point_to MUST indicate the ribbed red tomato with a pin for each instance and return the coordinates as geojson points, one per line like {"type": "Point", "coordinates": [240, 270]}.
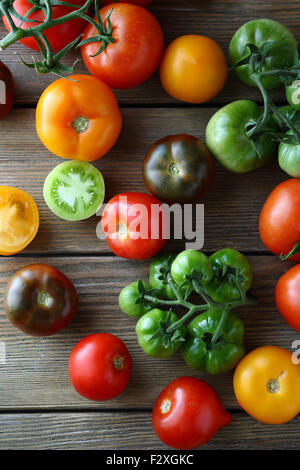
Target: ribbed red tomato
{"type": "Point", "coordinates": [134, 47]}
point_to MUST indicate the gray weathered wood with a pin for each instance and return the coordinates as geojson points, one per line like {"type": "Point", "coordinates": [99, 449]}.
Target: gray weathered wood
{"type": "Point", "coordinates": [132, 431]}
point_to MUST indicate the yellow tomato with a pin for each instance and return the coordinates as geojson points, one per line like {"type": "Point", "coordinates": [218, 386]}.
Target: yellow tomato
{"type": "Point", "coordinates": [78, 118]}
{"type": "Point", "coordinates": [19, 220]}
{"type": "Point", "coordinates": [193, 69]}
{"type": "Point", "coordinates": [267, 385]}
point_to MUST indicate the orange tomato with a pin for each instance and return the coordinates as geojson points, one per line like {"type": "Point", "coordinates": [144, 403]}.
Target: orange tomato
{"type": "Point", "coordinates": [267, 385]}
{"type": "Point", "coordinates": [78, 118]}
{"type": "Point", "coordinates": [19, 220]}
{"type": "Point", "coordinates": [193, 69]}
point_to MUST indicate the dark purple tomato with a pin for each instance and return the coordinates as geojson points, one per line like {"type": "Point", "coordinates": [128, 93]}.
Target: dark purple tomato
{"type": "Point", "coordinates": [178, 168]}
{"type": "Point", "coordinates": [40, 300]}
{"type": "Point", "coordinates": [7, 90]}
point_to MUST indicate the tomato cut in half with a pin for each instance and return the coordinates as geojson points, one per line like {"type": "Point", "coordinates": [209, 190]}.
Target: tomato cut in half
{"type": "Point", "coordinates": [19, 220]}
{"type": "Point", "coordinates": [74, 190]}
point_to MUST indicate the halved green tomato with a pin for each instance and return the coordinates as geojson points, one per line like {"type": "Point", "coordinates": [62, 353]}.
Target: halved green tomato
{"type": "Point", "coordinates": [74, 190]}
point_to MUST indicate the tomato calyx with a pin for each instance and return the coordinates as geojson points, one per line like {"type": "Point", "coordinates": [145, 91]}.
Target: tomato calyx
{"type": "Point", "coordinates": [118, 363]}
{"type": "Point", "coordinates": [43, 299]}
{"type": "Point", "coordinates": [104, 35]}
{"type": "Point", "coordinates": [174, 169]}
{"type": "Point", "coordinates": [80, 124]}
{"type": "Point", "coordinates": [165, 406]}
{"type": "Point", "coordinates": [168, 331]}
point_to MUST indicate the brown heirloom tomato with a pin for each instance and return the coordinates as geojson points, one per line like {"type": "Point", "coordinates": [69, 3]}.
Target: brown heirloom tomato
{"type": "Point", "coordinates": [178, 168]}
{"type": "Point", "coordinates": [40, 300]}
{"type": "Point", "coordinates": [7, 95]}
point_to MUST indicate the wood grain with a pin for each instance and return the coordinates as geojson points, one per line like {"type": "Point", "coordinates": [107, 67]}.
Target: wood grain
{"type": "Point", "coordinates": [218, 19]}
{"type": "Point", "coordinates": [232, 205]}
{"type": "Point", "coordinates": [38, 407]}
{"type": "Point", "coordinates": [132, 431]}
{"type": "Point", "coordinates": [35, 374]}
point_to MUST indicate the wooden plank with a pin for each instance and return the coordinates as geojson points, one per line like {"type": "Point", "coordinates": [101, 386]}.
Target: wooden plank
{"type": "Point", "coordinates": [132, 431]}
{"type": "Point", "coordinates": [218, 19]}
{"type": "Point", "coordinates": [35, 374]}
{"type": "Point", "coordinates": [232, 205]}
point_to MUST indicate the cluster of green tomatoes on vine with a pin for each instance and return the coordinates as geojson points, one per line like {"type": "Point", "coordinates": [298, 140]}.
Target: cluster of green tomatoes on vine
{"type": "Point", "coordinates": [241, 135]}
{"type": "Point", "coordinates": [212, 341]}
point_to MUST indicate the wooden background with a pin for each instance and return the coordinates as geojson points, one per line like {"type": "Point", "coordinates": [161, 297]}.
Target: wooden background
{"type": "Point", "coordinates": [38, 407]}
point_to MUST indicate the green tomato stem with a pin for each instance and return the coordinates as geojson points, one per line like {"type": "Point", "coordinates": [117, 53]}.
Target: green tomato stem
{"type": "Point", "coordinates": [262, 122]}
{"type": "Point", "coordinates": [294, 251]}
{"type": "Point", "coordinates": [268, 106]}
{"type": "Point", "coordinates": [191, 312]}
{"type": "Point", "coordinates": [221, 325]}
{"type": "Point", "coordinates": [161, 301]}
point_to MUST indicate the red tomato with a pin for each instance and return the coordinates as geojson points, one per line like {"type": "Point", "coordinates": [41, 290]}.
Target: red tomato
{"type": "Point", "coordinates": [279, 222]}
{"type": "Point", "coordinates": [133, 225]}
{"type": "Point", "coordinates": [135, 51]}
{"type": "Point", "coordinates": [187, 413]}
{"type": "Point", "coordinates": [7, 90]}
{"type": "Point", "coordinates": [287, 296]}
{"type": "Point", "coordinates": [58, 36]}
{"type": "Point", "coordinates": [142, 3]}
{"type": "Point", "coordinates": [99, 367]}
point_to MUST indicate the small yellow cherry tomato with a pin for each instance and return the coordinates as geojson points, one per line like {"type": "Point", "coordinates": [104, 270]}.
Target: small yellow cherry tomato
{"type": "Point", "coordinates": [193, 69]}
{"type": "Point", "coordinates": [19, 220]}
{"type": "Point", "coordinates": [267, 385]}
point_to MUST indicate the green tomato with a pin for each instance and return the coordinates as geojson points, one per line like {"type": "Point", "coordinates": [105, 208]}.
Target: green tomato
{"type": "Point", "coordinates": [153, 338]}
{"type": "Point", "coordinates": [293, 94]}
{"type": "Point", "coordinates": [190, 262]}
{"type": "Point", "coordinates": [281, 54]}
{"type": "Point", "coordinates": [229, 267]}
{"type": "Point", "coordinates": [128, 297]}
{"type": "Point", "coordinates": [289, 157]}
{"type": "Point", "coordinates": [159, 267]}
{"type": "Point", "coordinates": [200, 353]}
{"type": "Point", "coordinates": [74, 190]}
{"type": "Point", "coordinates": [227, 140]}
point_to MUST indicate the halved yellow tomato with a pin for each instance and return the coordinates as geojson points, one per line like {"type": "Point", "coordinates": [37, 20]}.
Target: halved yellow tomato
{"type": "Point", "coordinates": [19, 220]}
